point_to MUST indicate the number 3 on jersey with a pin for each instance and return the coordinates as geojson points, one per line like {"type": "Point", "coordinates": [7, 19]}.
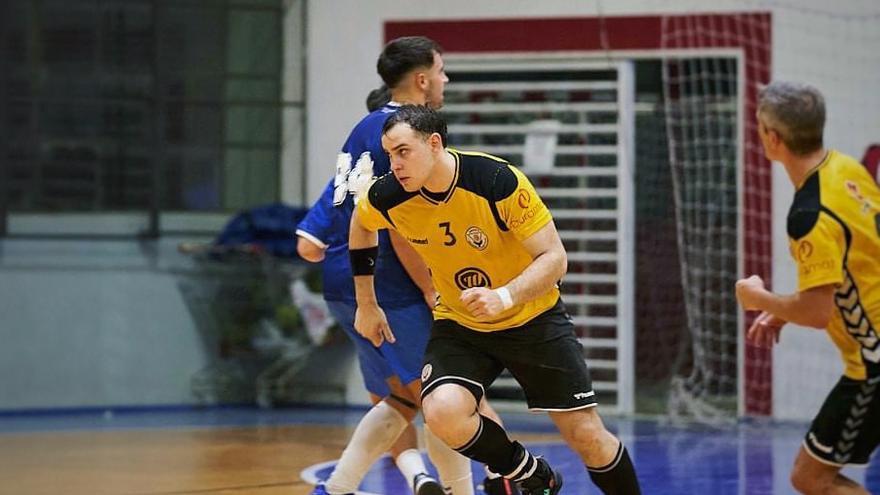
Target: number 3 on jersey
{"type": "Point", "coordinates": [450, 237]}
{"type": "Point", "coordinates": [352, 180]}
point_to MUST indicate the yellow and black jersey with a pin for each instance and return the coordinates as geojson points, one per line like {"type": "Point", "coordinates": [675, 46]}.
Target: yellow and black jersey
{"type": "Point", "coordinates": [834, 236]}
{"type": "Point", "coordinates": [469, 236]}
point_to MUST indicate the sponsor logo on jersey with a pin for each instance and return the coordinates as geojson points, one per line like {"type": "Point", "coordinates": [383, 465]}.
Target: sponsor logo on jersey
{"type": "Point", "coordinates": [526, 216]}
{"type": "Point", "coordinates": [853, 189]}
{"type": "Point", "coordinates": [426, 371]}
{"type": "Point", "coordinates": [476, 238]}
{"type": "Point", "coordinates": [418, 241]}
{"type": "Point", "coordinates": [470, 277]}
{"type": "Point", "coordinates": [819, 266]}
{"type": "Point", "coordinates": [523, 198]}
{"type": "Point", "coordinates": [804, 251]}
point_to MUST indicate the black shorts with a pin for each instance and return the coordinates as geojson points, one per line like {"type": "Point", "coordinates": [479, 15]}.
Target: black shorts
{"type": "Point", "coordinates": [543, 355]}
{"type": "Point", "coordinates": [847, 428]}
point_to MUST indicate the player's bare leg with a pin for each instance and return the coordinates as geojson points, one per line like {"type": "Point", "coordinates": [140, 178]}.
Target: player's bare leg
{"type": "Point", "coordinates": [810, 476]}
{"type": "Point", "coordinates": [451, 412]}
{"type": "Point", "coordinates": [487, 410]}
{"type": "Point", "coordinates": [603, 454]}
{"type": "Point", "coordinates": [585, 433]}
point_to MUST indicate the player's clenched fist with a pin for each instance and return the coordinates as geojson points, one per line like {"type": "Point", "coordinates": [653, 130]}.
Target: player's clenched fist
{"type": "Point", "coordinates": [482, 303]}
{"type": "Point", "coordinates": [748, 290]}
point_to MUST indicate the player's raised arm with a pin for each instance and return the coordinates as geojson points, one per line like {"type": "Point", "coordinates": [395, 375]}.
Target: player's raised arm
{"type": "Point", "coordinates": [812, 307]}
{"type": "Point", "coordinates": [370, 320]}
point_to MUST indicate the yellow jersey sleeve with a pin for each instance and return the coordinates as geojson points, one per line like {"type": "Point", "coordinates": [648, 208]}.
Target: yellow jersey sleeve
{"type": "Point", "coordinates": [369, 216]}
{"type": "Point", "coordinates": [819, 254]}
{"type": "Point", "coordinates": [523, 211]}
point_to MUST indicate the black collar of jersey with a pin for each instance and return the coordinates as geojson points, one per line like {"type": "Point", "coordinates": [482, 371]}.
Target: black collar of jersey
{"type": "Point", "coordinates": [443, 197]}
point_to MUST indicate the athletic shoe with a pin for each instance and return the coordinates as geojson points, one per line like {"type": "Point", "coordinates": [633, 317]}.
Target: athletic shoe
{"type": "Point", "coordinates": [426, 485]}
{"type": "Point", "coordinates": [321, 490]}
{"type": "Point", "coordinates": [544, 481]}
{"type": "Point", "coordinates": [499, 486]}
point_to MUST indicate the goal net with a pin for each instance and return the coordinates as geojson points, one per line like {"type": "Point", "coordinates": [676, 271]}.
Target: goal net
{"type": "Point", "coordinates": [701, 123]}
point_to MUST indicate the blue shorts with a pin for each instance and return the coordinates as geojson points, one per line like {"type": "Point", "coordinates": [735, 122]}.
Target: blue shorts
{"type": "Point", "coordinates": [412, 328]}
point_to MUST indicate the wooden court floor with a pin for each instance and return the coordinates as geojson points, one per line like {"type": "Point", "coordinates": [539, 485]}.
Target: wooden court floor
{"type": "Point", "coordinates": [262, 460]}
{"type": "Point", "coordinates": [259, 460]}
{"type": "Point", "coordinates": [264, 452]}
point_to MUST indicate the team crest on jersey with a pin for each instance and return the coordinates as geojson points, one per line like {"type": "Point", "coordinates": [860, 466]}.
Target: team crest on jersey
{"type": "Point", "coordinates": [426, 372]}
{"type": "Point", "coordinates": [471, 277]}
{"type": "Point", "coordinates": [476, 238]}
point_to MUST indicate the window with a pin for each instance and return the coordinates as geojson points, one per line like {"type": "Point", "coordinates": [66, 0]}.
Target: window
{"type": "Point", "coordinates": [141, 107]}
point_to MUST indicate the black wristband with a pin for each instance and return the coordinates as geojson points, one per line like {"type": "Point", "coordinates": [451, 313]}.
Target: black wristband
{"type": "Point", "coordinates": [363, 261]}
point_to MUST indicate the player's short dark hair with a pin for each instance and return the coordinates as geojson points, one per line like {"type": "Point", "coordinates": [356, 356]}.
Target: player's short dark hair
{"type": "Point", "coordinates": [421, 119]}
{"type": "Point", "coordinates": [796, 112]}
{"type": "Point", "coordinates": [402, 55]}
{"type": "Point", "coordinates": [378, 97]}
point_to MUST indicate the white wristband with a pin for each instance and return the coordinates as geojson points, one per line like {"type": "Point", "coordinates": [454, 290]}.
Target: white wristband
{"type": "Point", "coordinates": [504, 294]}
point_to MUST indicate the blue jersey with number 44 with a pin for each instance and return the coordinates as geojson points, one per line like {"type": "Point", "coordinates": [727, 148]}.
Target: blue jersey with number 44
{"type": "Point", "coordinates": [328, 220]}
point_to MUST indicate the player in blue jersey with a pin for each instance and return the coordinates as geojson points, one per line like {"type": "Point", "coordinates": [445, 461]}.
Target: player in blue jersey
{"type": "Point", "coordinates": [412, 67]}
{"type": "Point", "coordinates": [320, 238]}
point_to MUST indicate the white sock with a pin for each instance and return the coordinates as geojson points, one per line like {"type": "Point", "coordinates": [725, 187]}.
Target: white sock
{"type": "Point", "coordinates": [374, 435]}
{"type": "Point", "coordinates": [410, 463]}
{"type": "Point", "coordinates": [454, 469]}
